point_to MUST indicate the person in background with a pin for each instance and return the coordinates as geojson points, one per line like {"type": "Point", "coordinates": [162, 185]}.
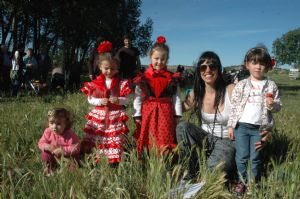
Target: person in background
{"type": "Point", "coordinates": [44, 65]}
{"type": "Point", "coordinates": [30, 66]}
{"type": "Point", "coordinates": [157, 106]}
{"type": "Point", "coordinates": [128, 55]}
{"type": "Point", "coordinates": [106, 129]}
{"type": "Point", "coordinates": [57, 77]}
{"type": "Point", "coordinates": [16, 72]}
{"type": "Point", "coordinates": [5, 63]}
{"type": "Point", "coordinates": [253, 101]}
{"type": "Point", "coordinates": [93, 65]}
{"type": "Point", "coordinates": [59, 140]}
{"type": "Point", "coordinates": [74, 71]}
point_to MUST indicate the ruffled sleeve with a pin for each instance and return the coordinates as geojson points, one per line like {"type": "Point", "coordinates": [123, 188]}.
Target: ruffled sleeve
{"type": "Point", "coordinates": [125, 88]}
{"type": "Point", "coordinates": [88, 88]}
{"type": "Point", "coordinates": [139, 78]}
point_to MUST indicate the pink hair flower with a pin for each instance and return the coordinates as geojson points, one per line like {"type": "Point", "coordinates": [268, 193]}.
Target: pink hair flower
{"type": "Point", "coordinates": [161, 40]}
{"type": "Point", "coordinates": [104, 47]}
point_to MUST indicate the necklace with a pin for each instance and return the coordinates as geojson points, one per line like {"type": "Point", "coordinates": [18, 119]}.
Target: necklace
{"type": "Point", "coordinates": [212, 140]}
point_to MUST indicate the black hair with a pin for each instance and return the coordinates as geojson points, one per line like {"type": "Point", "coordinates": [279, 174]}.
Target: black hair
{"type": "Point", "coordinates": [199, 84]}
{"type": "Point", "coordinates": [259, 55]}
{"type": "Point", "coordinates": [126, 37]}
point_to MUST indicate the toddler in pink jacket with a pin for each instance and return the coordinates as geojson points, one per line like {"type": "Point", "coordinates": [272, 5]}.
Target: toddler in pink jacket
{"type": "Point", "coordinates": [58, 140]}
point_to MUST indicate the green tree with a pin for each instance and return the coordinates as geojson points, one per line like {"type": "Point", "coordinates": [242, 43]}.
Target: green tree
{"type": "Point", "coordinates": [287, 48]}
{"type": "Point", "coordinates": [70, 28]}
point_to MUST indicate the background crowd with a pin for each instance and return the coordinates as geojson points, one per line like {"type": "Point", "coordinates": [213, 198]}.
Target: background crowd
{"type": "Point", "coordinates": [22, 69]}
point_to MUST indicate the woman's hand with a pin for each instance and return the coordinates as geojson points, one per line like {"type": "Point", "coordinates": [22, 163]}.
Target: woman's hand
{"type": "Point", "coordinates": [231, 133]}
{"type": "Point", "coordinates": [265, 136]}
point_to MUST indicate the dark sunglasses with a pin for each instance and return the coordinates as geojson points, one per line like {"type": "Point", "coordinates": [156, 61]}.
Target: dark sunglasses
{"type": "Point", "coordinates": [203, 67]}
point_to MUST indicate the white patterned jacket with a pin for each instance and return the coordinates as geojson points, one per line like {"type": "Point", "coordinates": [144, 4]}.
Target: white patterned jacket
{"type": "Point", "coordinates": [239, 99]}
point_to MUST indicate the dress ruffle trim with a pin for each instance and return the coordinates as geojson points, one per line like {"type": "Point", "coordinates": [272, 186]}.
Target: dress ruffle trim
{"type": "Point", "coordinates": [122, 118]}
{"type": "Point", "coordinates": [125, 89]}
{"type": "Point", "coordinates": [98, 132]}
{"type": "Point", "coordinates": [110, 146]}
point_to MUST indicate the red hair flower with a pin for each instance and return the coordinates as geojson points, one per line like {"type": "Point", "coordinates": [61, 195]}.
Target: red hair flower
{"type": "Point", "coordinates": [269, 95]}
{"type": "Point", "coordinates": [273, 62]}
{"type": "Point", "coordinates": [161, 40]}
{"type": "Point", "coordinates": [104, 47]}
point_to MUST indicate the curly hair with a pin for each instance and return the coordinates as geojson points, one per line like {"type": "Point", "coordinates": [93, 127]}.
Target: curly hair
{"type": "Point", "coordinates": [61, 113]}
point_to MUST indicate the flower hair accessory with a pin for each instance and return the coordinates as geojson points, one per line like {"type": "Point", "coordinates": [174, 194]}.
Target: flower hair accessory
{"type": "Point", "coordinates": [161, 40]}
{"type": "Point", "coordinates": [104, 47]}
{"type": "Point", "coordinates": [273, 62]}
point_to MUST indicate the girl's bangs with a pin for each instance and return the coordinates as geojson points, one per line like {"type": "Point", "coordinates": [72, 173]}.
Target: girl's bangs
{"type": "Point", "coordinates": [258, 58]}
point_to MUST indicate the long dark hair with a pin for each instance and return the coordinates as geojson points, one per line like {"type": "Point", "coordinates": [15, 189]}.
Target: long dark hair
{"type": "Point", "coordinates": [199, 85]}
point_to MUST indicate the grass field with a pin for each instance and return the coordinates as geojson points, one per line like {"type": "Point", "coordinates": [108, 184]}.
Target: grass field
{"type": "Point", "coordinates": [22, 121]}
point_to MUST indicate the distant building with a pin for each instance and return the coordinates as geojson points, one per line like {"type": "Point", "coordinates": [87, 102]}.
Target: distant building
{"type": "Point", "coordinates": [294, 73]}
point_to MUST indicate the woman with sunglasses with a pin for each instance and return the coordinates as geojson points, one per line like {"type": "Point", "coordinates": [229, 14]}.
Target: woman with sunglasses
{"type": "Point", "coordinates": [210, 101]}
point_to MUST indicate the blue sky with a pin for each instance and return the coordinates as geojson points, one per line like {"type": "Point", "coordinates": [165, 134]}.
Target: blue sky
{"type": "Point", "coordinates": [227, 27]}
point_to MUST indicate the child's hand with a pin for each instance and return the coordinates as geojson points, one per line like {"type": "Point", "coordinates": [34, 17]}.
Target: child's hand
{"type": "Point", "coordinates": [48, 148]}
{"type": "Point", "coordinates": [104, 101]}
{"type": "Point", "coordinates": [231, 133]}
{"type": "Point", "coordinates": [58, 152]}
{"type": "Point", "coordinates": [269, 101]}
{"type": "Point", "coordinates": [114, 100]}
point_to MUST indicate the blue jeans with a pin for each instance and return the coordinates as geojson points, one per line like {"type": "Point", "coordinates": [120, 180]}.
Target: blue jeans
{"type": "Point", "coordinates": [190, 136]}
{"type": "Point", "coordinates": [246, 135]}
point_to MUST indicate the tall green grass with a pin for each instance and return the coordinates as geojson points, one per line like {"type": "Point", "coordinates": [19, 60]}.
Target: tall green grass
{"type": "Point", "coordinates": [22, 121]}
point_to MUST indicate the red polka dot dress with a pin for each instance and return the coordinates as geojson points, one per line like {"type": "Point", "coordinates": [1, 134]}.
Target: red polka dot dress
{"type": "Point", "coordinates": [157, 111]}
{"type": "Point", "coordinates": [106, 128]}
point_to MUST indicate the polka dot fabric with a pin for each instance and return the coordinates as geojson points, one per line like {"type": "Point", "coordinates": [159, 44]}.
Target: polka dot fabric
{"type": "Point", "coordinates": [158, 125]}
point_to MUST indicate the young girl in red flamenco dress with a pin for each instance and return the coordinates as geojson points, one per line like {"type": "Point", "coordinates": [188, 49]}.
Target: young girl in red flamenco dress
{"type": "Point", "coordinates": [105, 130]}
{"type": "Point", "coordinates": [157, 106]}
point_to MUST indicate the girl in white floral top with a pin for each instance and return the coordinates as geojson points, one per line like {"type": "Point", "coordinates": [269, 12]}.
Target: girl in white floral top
{"type": "Point", "coordinates": [253, 100]}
